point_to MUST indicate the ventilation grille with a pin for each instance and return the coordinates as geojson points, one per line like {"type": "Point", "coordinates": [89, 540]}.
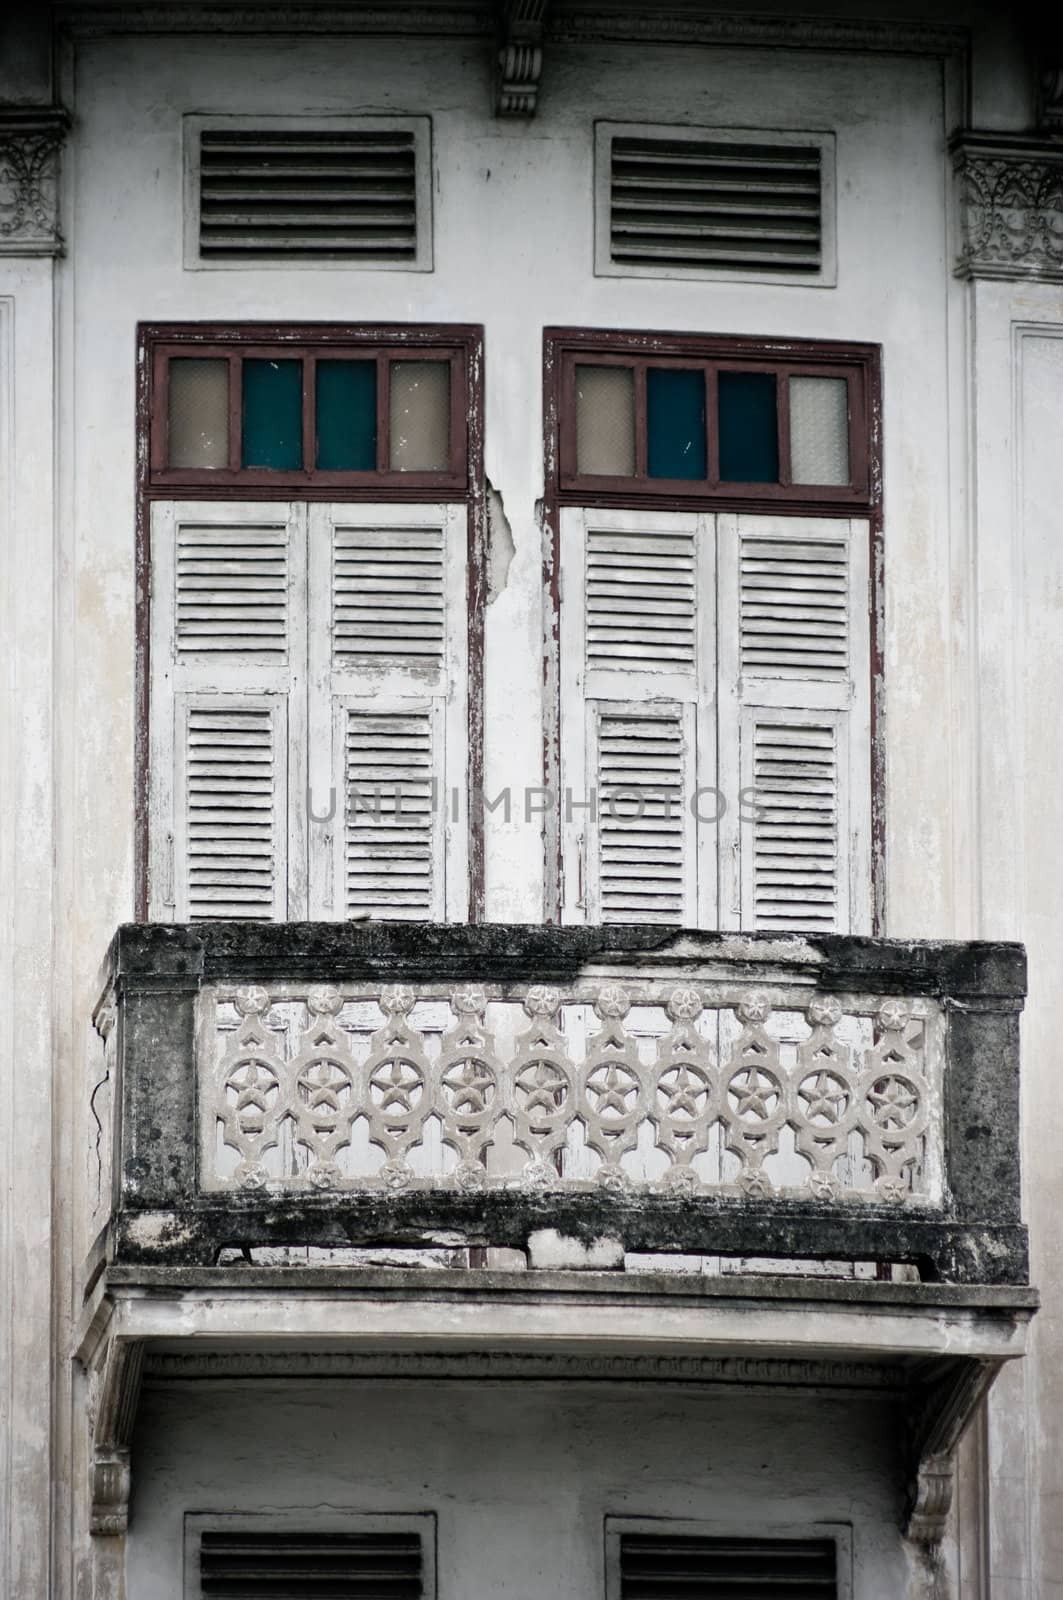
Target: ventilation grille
{"type": "Point", "coordinates": [795, 848]}
{"type": "Point", "coordinates": [640, 602]}
{"type": "Point", "coordinates": [231, 813]}
{"type": "Point", "coordinates": [795, 608]}
{"type": "Point", "coordinates": [705, 204]}
{"type": "Point", "coordinates": [311, 1566]}
{"type": "Point", "coordinates": [667, 1567]}
{"type": "Point", "coordinates": [232, 592]}
{"type": "Point", "coordinates": [342, 194]}
{"type": "Point", "coordinates": [388, 595]}
{"type": "Point", "coordinates": [390, 836]}
{"type": "Point", "coordinates": [641, 830]}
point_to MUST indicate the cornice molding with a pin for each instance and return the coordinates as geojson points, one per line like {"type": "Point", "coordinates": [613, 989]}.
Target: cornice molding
{"type": "Point", "coordinates": [652, 24]}
{"type": "Point", "coordinates": [30, 146]}
{"type": "Point", "coordinates": [1010, 197]}
{"type": "Point", "coordinates": [91, 21]}
{"type": "Point", "coordinates": [738, 1371]}
{"type": "Point", "coordinates": [647, 24]}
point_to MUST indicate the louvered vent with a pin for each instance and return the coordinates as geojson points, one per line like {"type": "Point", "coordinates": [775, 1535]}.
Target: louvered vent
{"type": "Point", "coordinates": [232, 587]}
{"type": "Point", "coordinates": [795, 848]}
{"type": "Point", "coordinates": [640, 601]}
{"type": "Point", "coordinates": [310, 1566]}
{"type": "Point", "coordinates": [794, 599]}
{"type": "Point", "coordinates": [232, 843]}
{"type": "Point", "coordinates": [390, 837]}
{"type": "Point", "coordinates": [641, 830]}
{"type": "Point", "coordinates": [342, 194]}
{"type": "Point", "coordinates": [714, 204]}
{"type": "Point", "coordinates": [675, 1567]}
{"type": "Point", "coordinates": [388, 599]}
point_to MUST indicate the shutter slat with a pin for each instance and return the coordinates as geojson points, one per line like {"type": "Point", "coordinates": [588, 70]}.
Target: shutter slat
{"type": "Point", "coordinates": [232, 593]}
{"type": "Point", "coordinates": [640, 594]}
{"type": "Point", "coordinates": [388, 595]}
{"type": "Point", "coordinates": [672, 1567]}
{"type": "Point", "coordinates": [793, 601]}
{"type": "Point", "coordinates": [311, 1566]}
{"type": "Point", "coordinates": [391, 858]}
{"type": "Point", "coordinates": [795, 866]}
{"type": "Point", "coordinates": [344, 193]}
{"type": "Point", "coordinates": [699, 202]}
{"type": "Point", "coordinates": [231, 824]}
{"type": "Point", "coordinates": [640, 774]}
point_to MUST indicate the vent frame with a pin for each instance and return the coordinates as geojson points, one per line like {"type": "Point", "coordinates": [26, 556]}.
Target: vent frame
{"type": "Point", "coordinates": [606, 266]}
{"type": "Point", "coordinates": [419, 128]}
{"type": "Point", "coordinates": [312, 1520]}
{"type": "Point", "coordinates": [841, 1533]}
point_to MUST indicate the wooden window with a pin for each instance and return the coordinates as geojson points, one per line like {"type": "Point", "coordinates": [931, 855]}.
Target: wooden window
{"type": "Point", "coordinates": [333, 410]}
{"type": "Point", "coordinates": [310, 636]}
{"type": "Point", "coordinates": [702, 419]}
{"type": "Point", "coordinates": [714, 713]}
{"type": "Point", "coordinates": [714, 716]}
{"type": "Point", "coordinates": [309, 710]}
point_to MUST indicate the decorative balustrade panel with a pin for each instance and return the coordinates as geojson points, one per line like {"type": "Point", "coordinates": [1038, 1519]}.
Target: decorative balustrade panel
{"type": "Point", "coordinates": [640, 1087]}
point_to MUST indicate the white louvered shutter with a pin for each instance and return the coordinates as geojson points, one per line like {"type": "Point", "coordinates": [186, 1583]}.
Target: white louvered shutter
{"type": "Point", "coordinates": [227, 718]}
{"type": "Point", "coordinates": [637, 741]}
{"type": "Point", "coordinates": [389, 712]}
{"type": "Point", "coordinates": [795, 722]}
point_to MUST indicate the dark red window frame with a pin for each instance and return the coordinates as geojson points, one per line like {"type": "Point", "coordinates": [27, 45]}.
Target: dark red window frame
{"type": "Point", "coordinates": [383, 345]}
{"type": "Point", "coordinates": [858, 364]}
{"type": "Point", "coordinates": [564, 349]}
{"type": "Point", "coordinates": [464, 484]}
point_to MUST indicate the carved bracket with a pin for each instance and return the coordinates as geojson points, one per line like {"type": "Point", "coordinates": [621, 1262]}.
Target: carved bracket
{"type": "Point", "coordinates": [114, 1393]}
{"type": "Point", "coordinates": [1011, 207]}
{"type": "Point", "coordinates": [947, 1407]}
{"type": "Point", "coordinates": [30, 145]}
{"type": "Point", "coordinates": [520, 56]}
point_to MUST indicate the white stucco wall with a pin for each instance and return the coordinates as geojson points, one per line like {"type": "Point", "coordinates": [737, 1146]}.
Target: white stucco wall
{"type": "Point", "coordinates": [520, 1477]}
{"type": "Point", "coordinates": [972, 663]}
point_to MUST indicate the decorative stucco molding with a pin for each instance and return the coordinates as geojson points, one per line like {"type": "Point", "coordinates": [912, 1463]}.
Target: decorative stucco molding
{"type": "Point", "coordinates": [114, 1392]}
{"type": "Point", "coordinates": [1011, 207]}
{"type": "Point", "coordinates": [30, 145]}
{"type": "Point", "coordinates": [520, 57]}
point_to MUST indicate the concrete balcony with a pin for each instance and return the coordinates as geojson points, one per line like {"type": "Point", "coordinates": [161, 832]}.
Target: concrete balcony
{"type": "Point", "coordinates": [822, 1135]}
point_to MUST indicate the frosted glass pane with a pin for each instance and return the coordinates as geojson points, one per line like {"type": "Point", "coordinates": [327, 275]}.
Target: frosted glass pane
{"type": "Point", "coordinates": [605, 421]}
{"type": "Point", "coordinates": [199, 413]}
{"type": "Point", "coordinates": [420, 416]}
{"type": "Point", "coordinates": [819, 431]}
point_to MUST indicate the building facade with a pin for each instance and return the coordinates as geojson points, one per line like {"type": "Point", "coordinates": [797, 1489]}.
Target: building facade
{"type": "Point", "coordinates": [529, 641]}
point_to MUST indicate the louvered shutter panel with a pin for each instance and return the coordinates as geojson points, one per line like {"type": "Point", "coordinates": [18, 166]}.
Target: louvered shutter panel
{"type": "Point", "coordinates": [389, 712]}
{"type": "Point", "coordinates": [227, 768]}
{"type": "Point", "coordinates": [795, 722]}
{"type": "Point", "coordinates": [234, 1565]}
{"type": "Point", "coordinates": [675, 1566]}
{"type": "Point", "coordinates": [637, 741]}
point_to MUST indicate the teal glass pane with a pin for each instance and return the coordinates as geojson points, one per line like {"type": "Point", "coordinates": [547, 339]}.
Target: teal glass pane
{"type": "Point", "coordinates": [346, 416]}
{"type": "Point", "coordinates": [273, 415]}
{"type": "Point", "coordinates": [675, 423]}
{"type": "Point", "coordinates": [749, 434]}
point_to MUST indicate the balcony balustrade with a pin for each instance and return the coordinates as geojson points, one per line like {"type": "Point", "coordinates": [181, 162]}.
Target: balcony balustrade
{"type": "Point", "coordinates": [325, 1086]}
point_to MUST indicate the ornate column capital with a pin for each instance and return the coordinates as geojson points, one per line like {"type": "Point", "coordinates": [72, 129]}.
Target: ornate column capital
{"type": "Point", "coordinates": [30, 144]}
{"type": "Point", "coordinates": [1010, 196]}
